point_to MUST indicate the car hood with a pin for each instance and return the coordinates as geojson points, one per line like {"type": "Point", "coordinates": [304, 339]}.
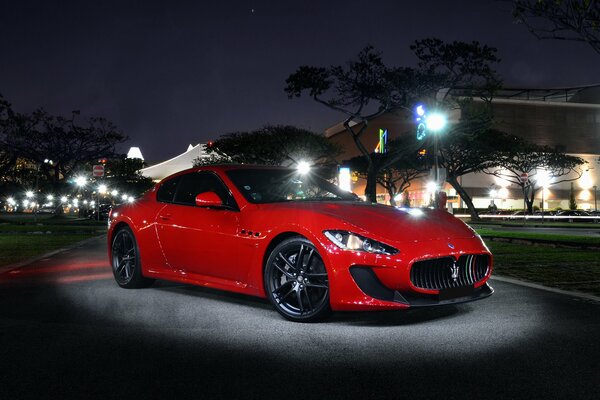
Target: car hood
{"type": "Point", "coordinates": [385, 222]}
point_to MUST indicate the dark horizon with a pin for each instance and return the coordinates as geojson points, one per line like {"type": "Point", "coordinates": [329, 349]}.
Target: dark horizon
{"type": "Point", "coordinates": [170, 74]}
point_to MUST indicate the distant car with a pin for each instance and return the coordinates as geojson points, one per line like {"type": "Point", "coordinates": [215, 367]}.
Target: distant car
{"type": "Point", "coordinates": [297, 240]}
{"type": "Point", "coordinates": [571, 215]}
{"type": "Point", "coordinates": [46, 210]}
{"type": "Point", "coordinates": [103, 210]}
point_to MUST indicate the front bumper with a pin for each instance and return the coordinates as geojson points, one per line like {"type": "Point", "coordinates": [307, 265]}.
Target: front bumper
{"type": "Point", "coordinates": [362, 282]}
{"type": "Point", "coordinates": [368, 282]}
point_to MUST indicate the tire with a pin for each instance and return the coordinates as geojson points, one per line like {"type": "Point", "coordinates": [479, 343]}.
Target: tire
{"type": "Point", "coordinates": [125, 260]}
{"type": "Point", "coordinates": [296, 281]}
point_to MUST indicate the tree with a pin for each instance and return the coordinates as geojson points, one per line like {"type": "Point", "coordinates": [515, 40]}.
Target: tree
{"type": "Point", "coordinates": [7, 156]}
{"type": "Point", "coordinates": [542, 164]}
{"type": "Point", "coordinates": [123, 173]}
{"type": "Point", "coordinates": [572, 201]}
{"type": "Point", "coordinates": [573, 20]}
{"type": "Point", "coordinates": [272, 145]}
{"type": "Point", "coordinates": [362, 90]}
{"type": "Point", "coordinates": [366, 88]}
{"type": "Point", "coordinates": [465, 69]}
{"type": "Point", "coordinates": [69, 144]}
{"type": "Point", "coordinates": [397, 168]}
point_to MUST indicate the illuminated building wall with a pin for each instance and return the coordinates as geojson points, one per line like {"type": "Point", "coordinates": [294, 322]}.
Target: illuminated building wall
{"type": "Point", "coordinates": [567, 125]}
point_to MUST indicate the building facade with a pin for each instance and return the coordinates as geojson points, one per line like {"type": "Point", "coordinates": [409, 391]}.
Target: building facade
{"type": "Point", "coordinates": [565, 119]}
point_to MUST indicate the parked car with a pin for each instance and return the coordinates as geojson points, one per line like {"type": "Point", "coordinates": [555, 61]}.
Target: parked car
{"type": "Point", "coordinates": [102, 209]}
{"type": "Point", "coordinates": [46, 210]}
{"type": "Point", "coordinates": [571, 215]}
{"type": "Point", "coordinates": [297, 240]}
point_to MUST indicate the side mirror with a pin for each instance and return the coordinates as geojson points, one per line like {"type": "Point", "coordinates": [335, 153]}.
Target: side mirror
{"type": "Point", "coordinates": [208, 199]}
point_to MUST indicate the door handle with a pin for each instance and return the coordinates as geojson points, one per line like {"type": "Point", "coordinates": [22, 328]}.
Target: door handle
{"type": "Point", "coordinates": [165, 217]}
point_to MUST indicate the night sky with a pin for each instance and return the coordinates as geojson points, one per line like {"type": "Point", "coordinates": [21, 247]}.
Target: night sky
{"type": "Point", "coordinates": [177, 72]}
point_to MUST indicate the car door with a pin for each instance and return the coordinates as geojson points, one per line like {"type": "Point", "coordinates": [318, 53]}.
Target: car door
{"type": "Point", "coordinates": [201, 240]}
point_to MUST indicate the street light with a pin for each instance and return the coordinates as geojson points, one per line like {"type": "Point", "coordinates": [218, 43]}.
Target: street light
{"type": "Point", "coordinates": [543, 180]}
{"type": "Point", "coordinates": [595, 198]}
{"type": "Point", "coordinates": [80, 181]}
{"type": "Point", "coordinates": [433, 123]}
{"type": "Point", "coordinates": [303, 167]}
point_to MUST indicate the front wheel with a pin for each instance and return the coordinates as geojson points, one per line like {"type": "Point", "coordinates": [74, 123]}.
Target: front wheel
{"type": "Point", "coordinates": [125, 260]}
{"type": "Point", "coordinates": [296, 281]}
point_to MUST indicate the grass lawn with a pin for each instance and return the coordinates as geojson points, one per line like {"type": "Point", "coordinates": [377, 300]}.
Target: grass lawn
{"type": "Point", "coordinates": [565, 269]}
{"type": "Point", "coordinates": [544, 236]}
{"type": "Point", "coordinates": [15, 248]}
{"type": "Point", "coordinates": [22, 236]}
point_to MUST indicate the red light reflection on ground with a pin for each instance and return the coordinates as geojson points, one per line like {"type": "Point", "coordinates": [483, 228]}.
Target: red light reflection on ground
{"type": "Point", "coordinates": [63, 273]}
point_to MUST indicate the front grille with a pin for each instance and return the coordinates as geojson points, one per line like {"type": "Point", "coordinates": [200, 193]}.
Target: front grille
{"type": "Point", "coordinates": [438, 273]}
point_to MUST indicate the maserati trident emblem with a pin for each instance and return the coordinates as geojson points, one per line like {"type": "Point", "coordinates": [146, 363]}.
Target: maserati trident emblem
{"type": "Point", "coordinates": [451, 245]}
{"type": "Point", "coordinates": [454, 270]}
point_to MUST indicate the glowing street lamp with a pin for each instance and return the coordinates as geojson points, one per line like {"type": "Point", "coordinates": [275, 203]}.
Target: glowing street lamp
{"type": "Point", "coordinates": [63, 199]}
{"type": "Point", "coordinates": [114, 193]}
{"type": "Point", "coordinates": [102, 189]}
{"type": "Point", "coordinates": [436, 122]}
{"type": "Point", "coordinates": [543, 180]}
{"type": "Point", "coordinates": [29, 194]}
{"type": "Point", "coordinates": [303, 167]}
{"type": "Point", "coordinates": [81, 181]}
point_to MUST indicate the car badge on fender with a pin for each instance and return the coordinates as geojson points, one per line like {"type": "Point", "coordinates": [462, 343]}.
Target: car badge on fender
{"type": "Point", "coordinates": [451, 245]}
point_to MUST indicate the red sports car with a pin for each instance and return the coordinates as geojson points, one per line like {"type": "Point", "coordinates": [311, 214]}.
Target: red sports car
{"type": "Point", "coordinates": [296, 239]}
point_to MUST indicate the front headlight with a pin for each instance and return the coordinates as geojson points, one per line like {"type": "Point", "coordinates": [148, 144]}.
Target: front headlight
{"type": "Point", "coordinates": [352, 241]}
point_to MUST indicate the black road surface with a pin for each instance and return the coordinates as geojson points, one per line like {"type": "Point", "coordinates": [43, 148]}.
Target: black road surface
{"type": "Point", "coordinates": [68, 331]}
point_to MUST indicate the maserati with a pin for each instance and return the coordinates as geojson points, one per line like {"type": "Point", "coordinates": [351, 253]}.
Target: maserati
{"type": "Point", "coordinates": [296, 239]}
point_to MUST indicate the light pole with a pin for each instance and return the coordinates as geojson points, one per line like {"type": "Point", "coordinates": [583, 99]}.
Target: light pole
{"type": "Point", "coordinates": [37, 182]}
{"type": "Point", "coordinates": [434, 123]}
{"type": "Point", "coordinates": [595, 198]}
{"type": "Point", "coordinates": [80, 181]}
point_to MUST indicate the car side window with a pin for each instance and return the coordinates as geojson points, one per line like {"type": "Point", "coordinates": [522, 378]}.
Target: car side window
{"type": "Point", "coordinates": [167, 190]}
{"type": "Point", "coordinates": [194, 183]}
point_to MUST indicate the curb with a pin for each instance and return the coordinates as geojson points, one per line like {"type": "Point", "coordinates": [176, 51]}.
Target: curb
{"type": "Point", "coordinates": [20, 264]}
{"type": "Point", "coordinates": [532, 285]}
{"type": "Point", "coordinates": [544, 242]}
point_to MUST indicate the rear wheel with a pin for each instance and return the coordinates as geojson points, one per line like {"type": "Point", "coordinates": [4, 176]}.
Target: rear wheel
{"type": "Point", "coordinates": [296, 281]}
{"type": "Point", "coordinates": [125, 260]}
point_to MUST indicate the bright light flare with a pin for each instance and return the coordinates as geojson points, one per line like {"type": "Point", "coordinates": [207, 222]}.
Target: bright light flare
{"type": "Point", "coordinates": [81, 181]}
{"type": "Point", "coordinates": [114, 193]}
{"type": "Point", "coordinates": [102, 188]}
{"type": "Point", "coordinates": [29, 194]}
{"type": "Point", "coordinates": [303, 167]}
{"type": "Point", "coordinates": [420, 110]}
{"type": "Point", "coordinates": [431, 186]}
{"type": "Point", "coordinates": [436, 122]}
{"type": "Point", "coordinates": [63, 199]}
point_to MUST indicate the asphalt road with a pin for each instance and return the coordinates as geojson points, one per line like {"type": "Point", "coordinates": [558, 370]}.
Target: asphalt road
{"type": "Point", "coordinates": [68, 331]}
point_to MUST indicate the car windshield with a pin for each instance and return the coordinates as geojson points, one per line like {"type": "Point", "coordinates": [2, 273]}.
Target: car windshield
{"type": "Point", "coordinates": [279, 185]}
